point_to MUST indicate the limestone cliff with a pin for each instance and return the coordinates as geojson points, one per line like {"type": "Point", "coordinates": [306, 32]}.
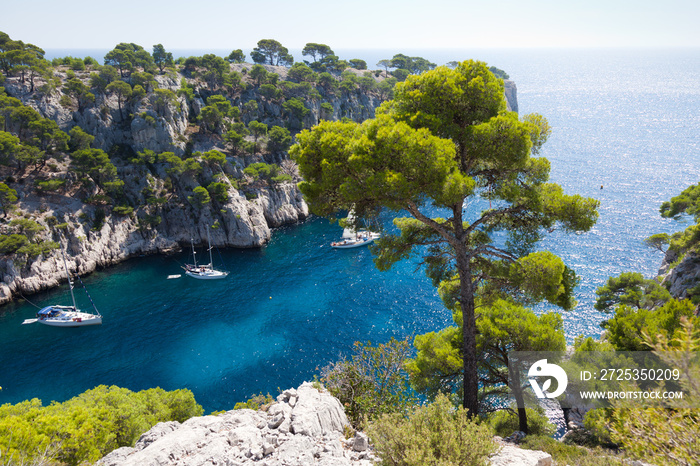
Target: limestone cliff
{"type": "Point", "coordinates": [682, 277]}
{"type": "Point", "coordinates": [155, 210]}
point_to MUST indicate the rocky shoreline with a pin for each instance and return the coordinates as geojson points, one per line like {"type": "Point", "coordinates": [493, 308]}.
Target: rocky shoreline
{"type": "Point", "coordinates": [245, 223]}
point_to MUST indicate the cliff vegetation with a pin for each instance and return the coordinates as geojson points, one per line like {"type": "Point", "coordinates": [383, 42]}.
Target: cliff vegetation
{"type": "Point", "coordinates": [143, 152]}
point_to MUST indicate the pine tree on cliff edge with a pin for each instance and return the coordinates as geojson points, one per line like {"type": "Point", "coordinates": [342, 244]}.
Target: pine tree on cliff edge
{"type": "Point", "coordinates": [444, 144]}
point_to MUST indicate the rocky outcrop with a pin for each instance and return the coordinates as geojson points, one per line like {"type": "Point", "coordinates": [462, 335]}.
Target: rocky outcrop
{"type": "Point", "coordinates": [511, 92]}
{"type": "Point", "coordinates": [305, 427]}
{"type": "Point", "coordinates": [512, 455]}
{"type": "Point", "coordinates": [683, 276]}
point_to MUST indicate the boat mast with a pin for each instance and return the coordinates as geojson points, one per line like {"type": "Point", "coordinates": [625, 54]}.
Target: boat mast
{"type": "Point", "coordinates": [194, 253]}
{"type": "Point", "coordinates": [70, 282]}
{"type": "Point", "coordinates": [211, 261]}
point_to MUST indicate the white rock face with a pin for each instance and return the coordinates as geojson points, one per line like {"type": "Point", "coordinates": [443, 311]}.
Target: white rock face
{"type": "Point", "coordinates": [246, 437]}
{"type": "Point", "coordinates": [511, 455]}
{"type": "Point", "coordinates": [305, 427]}
{"type": "Point", "coordinates": [244, 224]}
{"type": "Point", "coordinates": [683, 276]}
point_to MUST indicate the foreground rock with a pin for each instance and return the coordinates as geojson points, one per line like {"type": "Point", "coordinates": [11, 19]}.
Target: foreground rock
{"type": "Point", "coordinates": [512, 455]}
{"type": "Point", "coordinates": [305, 426]}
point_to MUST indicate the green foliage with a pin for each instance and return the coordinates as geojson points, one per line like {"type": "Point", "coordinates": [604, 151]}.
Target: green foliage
{"type": "Point", "coordinates": [215, 114]}
{"type": "Point", "coordinates": [258, 73]}
{"type": "Point", "coordinates": [261, 170]}
{"type": "Point", "coordinates": [236, 56]}
{"type": "Point", "coordinates": [315, 51]}
{"type": "Point", "coordinates": [218, 191]}
{"type": "Point", "coordinates": [446, 140]}
{"type": "Point", "coordinates": [505, 422]}
{"type": "Point", "coordinates": [656, 433]}
{"type": "Point", "coordinates": [26, 226]}
{"type": "Point", "coordinates": [271, 52]}
{"type": "Point", "coordinates": [270, 92]}
{"type": "Point", "coordinates": [87, 427]}
{"type": "Point", "coordinates": [499, 73]}
{"type": "Point", "coordinates": [372, 382]}
{"type": "Point", "coordinates": [122, 90]}
{"type": "Point", "coordinates": [300, 72]}
{"type": "Point", "coordinates": [147, 221]}
{"type": "Point", "coordinates": [544, 276]}
{"type": "Point", "coordinates": [129, 56]}
{"type": "Point", "coordinates": [9, 244]}
{"type": "Point", "coordinates": [101, 80]}
{"type": "Point", "coordinates": [122, 210]}
{"type": "Point", "coordinates": [8, 197]}
{"type": "Point", "coordinates": [625, 328]}
{"type": "Point", "coordinates": [95, 164]}
{"type": "Point", "coordinates": [296, 108]}
{"type": "Point", "coordinates": [50, 185]}
{"type": "Point", "coordinates": [200, 197]}
{"type": "Point", "coordinates": [436, 433]}
{"type": "Point", "coordinates": [279, 140]}
{"type": "Point", "coordinates": [79, 139]}
{"type": "Point", "coordinates": [256, 402]}
{"type": "Point", "coordinates": [503, 327]}
{"type": "Point", "coordinates": [658, 241]}
{"type": "Point", "coordinates": [687, 202]}
{"type": "Point", "coordinates": [358, 64]}
{"type": "Point", "coordinates": [214, 157]}
{"type": "Point", "coordinates": [563, 453]}
{"type": "Point", "coordinates": [632, 289]}
{"type": "Point", "coordinates": [47, 136]}
{"type": "Point", "coordinates": [9, 145]}
{"type": "Point", "coordinates": [162, 58]}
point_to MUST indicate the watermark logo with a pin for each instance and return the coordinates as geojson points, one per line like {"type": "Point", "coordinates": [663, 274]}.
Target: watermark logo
{"type": "Point", "coordinates": [543, 369]}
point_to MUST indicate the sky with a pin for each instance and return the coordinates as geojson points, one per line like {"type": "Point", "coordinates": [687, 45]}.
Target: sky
{"type": "Point", "coordinates": [357, 24]}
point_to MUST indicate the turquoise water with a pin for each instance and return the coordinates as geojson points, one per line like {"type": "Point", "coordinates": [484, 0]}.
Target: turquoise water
{"type": "Point", "coordinates": [626, 120]}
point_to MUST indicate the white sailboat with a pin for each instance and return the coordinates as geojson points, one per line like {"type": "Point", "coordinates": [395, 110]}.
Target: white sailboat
{"type": "Point", "coordinates": [354, 239]}
{"type": "Point", "coordinates": [203, 272]}
{"type": "Point", "coordinates": [66, 316]}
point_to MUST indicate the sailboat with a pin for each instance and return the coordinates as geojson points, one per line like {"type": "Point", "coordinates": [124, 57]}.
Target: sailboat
{"type": "Point", "coordinates": [203, 272]}
{"type": "Point", "coordinates": [66, 316]}
{"type": "Point", "coordinates": [352, 238]}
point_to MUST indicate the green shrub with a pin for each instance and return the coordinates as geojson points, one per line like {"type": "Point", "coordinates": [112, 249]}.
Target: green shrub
{"type": "Point", "coordinates": [433, 434]}
{"type": "Point", "coordinates": [37, 249]}
{"type": "Point", "coordinates": [256, 402]}
{"type": "Point", "coordinates": [218, 191]}
{"type": "Point", "coordinates": [262, 170]}
{"type": "Point", "coordinates": [123, 210]}
{"type": "Point", "coordinates": [372, 382]}
{"type": "Point", "coordinates": [200, 197]}
{"type": "Point", "coordinates": [573, 455]}
{"type": "Point", "coordinates": [11, 243]}
{"type": "Point", "coordinates": [281, 178]}
{"type": "Point", "coordinates": [50, 185]}
{"type": "Point", "coordinates": [88, 426]}
{"type": "Point", "coordinates": [505, 422]}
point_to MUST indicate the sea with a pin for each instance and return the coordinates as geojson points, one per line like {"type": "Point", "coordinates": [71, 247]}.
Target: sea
{"type": "Point", "coordinates": [626, 131]}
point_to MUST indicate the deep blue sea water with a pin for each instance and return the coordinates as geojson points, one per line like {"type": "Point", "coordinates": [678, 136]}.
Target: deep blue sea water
{"type": "Point", "coordinates": [626, 120]}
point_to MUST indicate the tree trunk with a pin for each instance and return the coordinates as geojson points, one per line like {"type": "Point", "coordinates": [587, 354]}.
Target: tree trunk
{"type": "Point", "coordinates": [517, 389]}
{"type": "Point", "coordinates": [466, 298]}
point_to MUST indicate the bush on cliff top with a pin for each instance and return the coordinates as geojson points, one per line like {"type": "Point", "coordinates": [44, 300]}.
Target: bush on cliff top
{"type": "Point", "coordinates": [436, 433]}
{"type": "Point", "coordinates": [88, 426]}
